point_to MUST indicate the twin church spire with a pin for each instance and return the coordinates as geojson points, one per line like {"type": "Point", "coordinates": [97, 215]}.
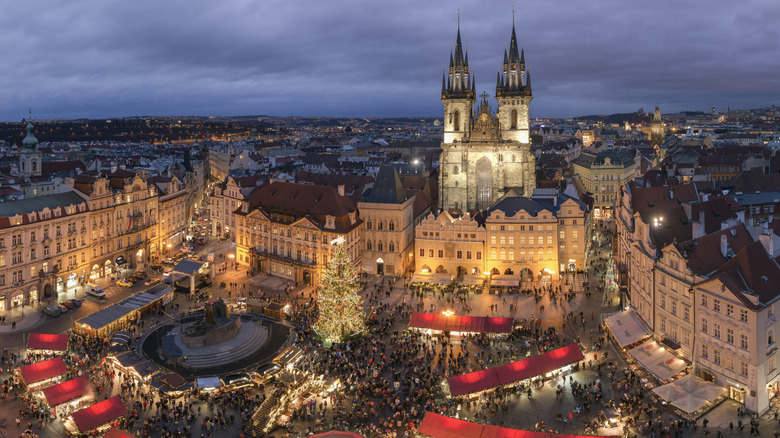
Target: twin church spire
{"type": "Point", "coordinates": [459, 82]}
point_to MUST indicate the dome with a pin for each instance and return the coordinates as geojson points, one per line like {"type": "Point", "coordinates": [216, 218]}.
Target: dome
{"type": "Point", "coordinates": [30, 141]}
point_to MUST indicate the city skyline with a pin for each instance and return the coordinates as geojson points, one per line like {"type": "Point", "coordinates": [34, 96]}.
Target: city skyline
{"type": "Point", "coordinates": [89, 59]}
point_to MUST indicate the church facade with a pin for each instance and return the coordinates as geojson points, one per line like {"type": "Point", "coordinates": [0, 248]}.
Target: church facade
{"type": "Point", "coordinates": [485, 153]}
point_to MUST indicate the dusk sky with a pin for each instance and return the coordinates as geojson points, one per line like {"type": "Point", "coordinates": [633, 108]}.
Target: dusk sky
{"type": "Point", "coordinates": [367, 58]}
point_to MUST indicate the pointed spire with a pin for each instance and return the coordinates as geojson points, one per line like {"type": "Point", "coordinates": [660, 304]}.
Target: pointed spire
{"type": "Point", "coordinates": [443, 83]}
{"type": "Point", "coordinates": [528, 80]}
{"type": "Point", "coordinates": [505, 59]}
{"type": "Point", "coordinates": [522, 56]}
{"type": "Point", "coordinates": [466, 63]}
{"type": "Point", "coordinates": [473, 84]}
{"type": "Point", "coordinates": [451, 63]}
{"type": "Point", "coordinates": [498, 79]}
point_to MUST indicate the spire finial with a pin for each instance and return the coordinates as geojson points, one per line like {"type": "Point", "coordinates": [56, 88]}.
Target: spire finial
{"type": "Point", "coordinates": [459, 19]}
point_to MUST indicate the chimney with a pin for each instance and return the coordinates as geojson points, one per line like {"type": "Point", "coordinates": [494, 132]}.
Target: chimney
{"type": "Point", "coordinates": [724, 245]}
{"type": "Point", "coordinates": [768, 242]}
{"type": "Point", "coordinates": [341, 189]}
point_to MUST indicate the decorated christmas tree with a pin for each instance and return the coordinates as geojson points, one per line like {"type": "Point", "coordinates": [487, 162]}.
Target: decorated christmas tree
{"type": "Point", "coordinates": [341, 308]}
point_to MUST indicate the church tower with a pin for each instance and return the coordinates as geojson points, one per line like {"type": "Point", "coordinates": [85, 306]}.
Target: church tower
{"type": "Point", "coordinates": [458, 95]}
{"type": "Point", "coordinates": [513, 92]}
{"type": "Point", "coordinates": [485, 153]}
{"type": "Point", "coordinates": [657, 129]}
{"type": "Point", "coordinates": [30, 159]}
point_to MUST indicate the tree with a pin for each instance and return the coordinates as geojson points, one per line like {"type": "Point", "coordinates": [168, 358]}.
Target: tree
{"type": "Point", "coordinates": [341, 308]}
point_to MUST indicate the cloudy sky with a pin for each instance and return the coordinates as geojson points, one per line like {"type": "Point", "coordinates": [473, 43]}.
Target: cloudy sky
{"type": "Point", "coordinates": [102, 58]}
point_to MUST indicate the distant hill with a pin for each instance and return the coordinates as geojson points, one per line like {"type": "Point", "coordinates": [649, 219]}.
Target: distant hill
{"type": "Point", "coordinates": [619, 119]}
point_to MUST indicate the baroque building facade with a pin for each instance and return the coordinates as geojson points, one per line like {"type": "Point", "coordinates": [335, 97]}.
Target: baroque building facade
{"type": "Point", "coordinates": [485, 153]}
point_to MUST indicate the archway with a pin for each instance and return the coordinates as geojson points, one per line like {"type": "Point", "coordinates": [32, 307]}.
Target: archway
{"type": "Point", "coordinates": [306, 277]}
{"type": "Point", "coordinates": [441, 270]}
{"type": "Point", "coordinates": [475, 271]}
{"type": "Point", "coordinates": [47, 290]}
{"type": "Point", "coordinates": [426, 269]}
{"type": "Point", "coordinates": [572, 267]}
{"type": "Point", "coordinates": [107, 268]}
{"type": "Point", "coordinates": [509, 271]}
{"type": "Point", "coordinates": [484, 183]}
{"type": "Point", "coordinates": [526, 274]}
{"type": "Point", "coordinates": [461, 271]}
{"type": "Point", "coordinates": [495, 271]}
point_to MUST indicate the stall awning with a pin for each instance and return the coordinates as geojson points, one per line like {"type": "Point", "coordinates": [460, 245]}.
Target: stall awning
{"type": "Point", "coordinates": [118, 433]}
{"type": "Point", "coordinates": [41, 371]}
{"type": "Point", "coordinates": [336, 434]}
{"type": "Point", "coordinates": [460, 323]}
{"type": "Point", "coordinates": [67, 391]}
{"type": "Point", "coordinates": [439, 426]}
{"type": "Point", "coordinates": [473, 280]}
{"type": "Point", "coordinates": [99, 414]}
{"type": "Point", "coordinates": [432, 278]}
{"type": "Point", "coordinates": [515, 371]}
{"type": "Point", "coordinates": [209, 382]}
{"type": "Point", "coordinates": [120, 338]}
{"type": "Point", "coordinates": [505, 280]}
{"type": "Point", "coordinates": [626, 328]}
{"type": "Point", "coordinates": [45, 341]}
{"type": "Point", "coordinates": [653, 357]}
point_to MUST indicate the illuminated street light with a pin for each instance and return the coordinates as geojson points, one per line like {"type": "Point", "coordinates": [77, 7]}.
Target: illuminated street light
{"type": "Point", "coordinates": [448, 312]}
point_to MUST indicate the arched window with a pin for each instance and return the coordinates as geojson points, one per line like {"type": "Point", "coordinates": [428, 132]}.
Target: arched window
{"type": "Point", "coordinates": [380, 226]}
{"type": "Point", "coordinates": [368, 225]}
{"type": "Point", "coordinates": [379, 246]}
{"type": "Point", "coordinates": [391, 226]}
{"type": "Point", "coordinates": [457, 121]}
{"type": "Point", "coordinates": [513, 120]}
{"type": "Point", "coordinates": [34, 165]}
{"type": "Point", "coordinates": [391, 246]}
{"type": "Point", "coordinates": [455, 170]}
{"type": "Point", "coordinates": [368, 245]}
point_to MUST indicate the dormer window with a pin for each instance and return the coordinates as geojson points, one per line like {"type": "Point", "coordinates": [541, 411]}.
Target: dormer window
{"type": "Point", "coordinates": [330, 222]}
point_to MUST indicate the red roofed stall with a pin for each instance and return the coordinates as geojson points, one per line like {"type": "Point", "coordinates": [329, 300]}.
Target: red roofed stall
{"type": "Point", "coordinates": [118, 433]}
{"type": "Point", "coordinates": [48, 342]}
{"type": "Point", "coordinates": [335, 434]}
{"type": "Point", "coordinates": [515, 371]}
{"type": "Point", "coordinates": [77, 390]}
{"type": "Point", "coordinates": [99, 414]}
{"type": "Point", "coordinates": [439, 426]}
{"type": "Point", "coordinates": [460, 323]}
{"type": "Point", "coordinates": [37, 375]}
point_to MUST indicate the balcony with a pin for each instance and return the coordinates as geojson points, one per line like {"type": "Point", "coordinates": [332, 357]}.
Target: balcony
{"type": "Point", "coordinates": [284, 259]}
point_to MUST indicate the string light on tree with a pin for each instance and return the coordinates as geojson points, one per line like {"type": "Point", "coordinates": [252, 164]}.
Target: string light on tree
{"type": "Point", "coordinates": [341, 308]}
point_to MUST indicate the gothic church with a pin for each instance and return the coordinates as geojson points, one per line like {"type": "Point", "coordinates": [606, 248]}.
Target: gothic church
{"type": "Point", "coordinates": [485, 154]}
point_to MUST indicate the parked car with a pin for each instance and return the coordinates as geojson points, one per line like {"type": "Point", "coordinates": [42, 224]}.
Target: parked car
{"type": "Point", "coordinates": [156, 268]}
{"type": "Point", "coordinates": [95, 291]}
{"type": "Point", "coordinates": [68, 304]}
{"type": "Point", "coordinates": [124, 283]}
{"type": "Point", "coordinates": [151, 281]}
{"type": "Point", "coordinates": [52, 311]}
{"type": "Point", "coordinates": [167, 272]}
{"type": "Point", "coordinates": [76, 302]}
{"type": "Point", "coordinates": [140, 274]}
{"type": "Point", "coordinates": [167, 261]}
{"type": "Point", "coordinates": [63, 308]}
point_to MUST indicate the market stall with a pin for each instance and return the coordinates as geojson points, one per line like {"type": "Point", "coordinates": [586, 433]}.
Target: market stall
{"type": "Point", "coordinates": [69, 396]}
{"type": "Point", "coordinates": [47, 343]}
{"type": "Point", "coordinates": [97, 417]}
{"type": "Point", "coordinates": [134, 365]}
{"type": "Point", "coordinates": [42, 374]}
{"type": "Point", "coordinates": [118, 433]}
{"type": "Point", "coordinates": [692, 395]}
{"type": "Point", "coordinates": [460, 324]}
{"type": "Point", "coordinates": [440, 426]}
{"type": "Point", "coordinates": [545, 364]}
{"type": "Point", "coordinates": [505, 284]}
{"type": "Point", "coordinates": [208, 383]}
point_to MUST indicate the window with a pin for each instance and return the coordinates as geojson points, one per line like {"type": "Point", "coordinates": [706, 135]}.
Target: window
{"type": "Point", "coordinates": [430, 253]}
{"type": "Point", "coordinates": [716, 356]}
{"type": "Point", "coordinates": [730, 336]}
{"type": "Point", "coordinates": [743, 342]}
{"type": "Point", "coordinates": [716, 330]}
{"type": "Point", "coordinates": [663, 324]}
{"type": "Point", "coordinates": [511, 240]}
{"type": "Point", "coordinates": [459, 254]}
{"type": "Point", "coordinates": [493, 240]}
{"type": "Point", "coordinates": [663, 301]}
{"type": "Point", "coordinates": [422, 252]}
{"type": "Point", "coordinates": [716, 305]}
{"type": "Point", "coordinates": [705, 352]}
{"type": "Point", "coordinates": [730, 363]}
{"type": "Point", "coordinates": [743, 315]}
{"type": "Point", "coordinates": [730, 310]}
{"type": "Point", "coordinates": [391, 246]}
{"type": "Point", "coordinates": [743, 368]}
{"type": "Point", "coordinates": [479, 255]}
{"type": "Point", "coordinates": [704, 326]}
{"type": "Point", "coordinates": [770, 337]}
{"type": "Point", "coordinates": [771, 363]}
{"type": "Point", "coordinates": [391, 226]}
{"type": "Point", "coordinates": [704, 301]}
{"type": "Point", "coordinates": [441, 253]}
{"type": "Point", "coordinates": [686, 313]}
{"type": "Point", "coordinates": [468, 255]}
{"type": "Point", "coordinates": [674, 307]}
